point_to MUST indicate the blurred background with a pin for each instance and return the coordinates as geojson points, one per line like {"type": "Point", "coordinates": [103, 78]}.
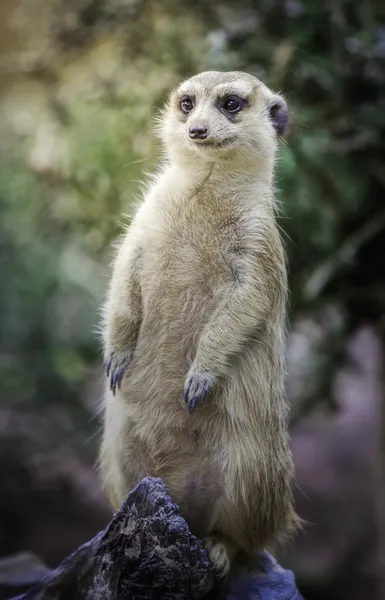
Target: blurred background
{"type": "Point", "coordinates": [80, 83]}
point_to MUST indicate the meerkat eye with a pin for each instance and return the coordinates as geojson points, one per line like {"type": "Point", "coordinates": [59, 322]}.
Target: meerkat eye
{"type": "Point", "coordinates": [232, 104]}
{"type": "Point", "coordinates": [186, 104]}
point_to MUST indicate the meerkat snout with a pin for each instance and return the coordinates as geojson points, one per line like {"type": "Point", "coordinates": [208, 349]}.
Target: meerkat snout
{"type": "Point", "coordinates": [198, 132]}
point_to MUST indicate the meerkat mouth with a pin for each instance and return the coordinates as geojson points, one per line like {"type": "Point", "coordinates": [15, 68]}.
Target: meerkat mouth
{"type": "Point", "coordinates": [214, 143]}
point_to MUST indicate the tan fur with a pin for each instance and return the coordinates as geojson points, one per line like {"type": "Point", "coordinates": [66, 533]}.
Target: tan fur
{"type": "Point", "coordinates": [198, 291]}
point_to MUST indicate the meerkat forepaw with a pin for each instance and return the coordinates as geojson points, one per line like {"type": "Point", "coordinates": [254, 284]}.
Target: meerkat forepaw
{"type": "Point", "coordinates": [115, 366]}
{"type": "Point", "coordinates": [197, 387]}
{"type": "Point", "coordinates": [218, 556]}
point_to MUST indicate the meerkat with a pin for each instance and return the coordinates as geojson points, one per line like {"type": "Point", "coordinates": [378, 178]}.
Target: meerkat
{"type": "Point", "coordinates": [194, 324]}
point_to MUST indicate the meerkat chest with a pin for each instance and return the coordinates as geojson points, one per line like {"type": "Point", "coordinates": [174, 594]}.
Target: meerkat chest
{"type": "Point", "coordinates": [194, 240]}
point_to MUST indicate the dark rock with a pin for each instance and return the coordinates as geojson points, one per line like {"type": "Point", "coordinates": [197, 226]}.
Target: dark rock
{"type": "Point", "coordinates": [147, 552]}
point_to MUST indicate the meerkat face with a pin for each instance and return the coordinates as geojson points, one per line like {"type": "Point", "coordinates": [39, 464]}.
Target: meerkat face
{"type": "Point", "coordinates": [217, 115]}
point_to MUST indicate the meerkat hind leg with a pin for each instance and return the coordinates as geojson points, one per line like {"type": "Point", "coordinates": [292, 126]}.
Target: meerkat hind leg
{"type": "Point", "coordinates": [221, 552]}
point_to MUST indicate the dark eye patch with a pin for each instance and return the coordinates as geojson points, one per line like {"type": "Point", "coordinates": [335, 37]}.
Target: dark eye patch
{"type": "Point", "coordinates": [230, 105]}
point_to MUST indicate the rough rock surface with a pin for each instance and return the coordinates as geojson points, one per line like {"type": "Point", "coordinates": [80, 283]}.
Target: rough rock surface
{"type": "Point", "coordinates": [148, 552]}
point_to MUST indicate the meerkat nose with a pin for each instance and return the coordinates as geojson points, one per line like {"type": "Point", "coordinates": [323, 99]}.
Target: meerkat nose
{"type": "Point", "coordinates": [198, 131]}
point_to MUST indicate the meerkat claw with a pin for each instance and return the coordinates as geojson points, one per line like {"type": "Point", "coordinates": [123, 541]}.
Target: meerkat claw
{"type": "Point", "coordinates": [187, 390]}
{"type": "Point", "coordinates": [108, 364]}
{"type": "Point", "coordinates": [115, 369]}
{"type": "Point", "coordinates": [192, 404]}
{"type": "Point", "coordinates": [218, 556]}
{"type": "Point", "coordinates": [196, 391]}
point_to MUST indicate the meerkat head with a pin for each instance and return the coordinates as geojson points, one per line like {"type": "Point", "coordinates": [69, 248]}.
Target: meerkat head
{"type": "Point", "coordinates": [217, 116]}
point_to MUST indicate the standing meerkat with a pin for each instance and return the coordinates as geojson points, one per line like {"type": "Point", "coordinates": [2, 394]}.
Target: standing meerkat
{"type": "Point", "coordinates": [194, 324]}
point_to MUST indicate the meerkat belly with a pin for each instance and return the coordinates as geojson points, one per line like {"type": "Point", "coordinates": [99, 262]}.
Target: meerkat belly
{"type": "Point", "coordinates": [182, 280]}
{"type": "Point", "coordinates": [181, 284]}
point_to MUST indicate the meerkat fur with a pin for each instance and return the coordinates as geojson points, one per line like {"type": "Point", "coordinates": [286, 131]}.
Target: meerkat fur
{"type": "Point", "coordinates": [194, 327]}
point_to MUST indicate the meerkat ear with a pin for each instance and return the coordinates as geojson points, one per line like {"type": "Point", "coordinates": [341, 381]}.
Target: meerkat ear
{"type": "Point", "coordinates": [279, 115]}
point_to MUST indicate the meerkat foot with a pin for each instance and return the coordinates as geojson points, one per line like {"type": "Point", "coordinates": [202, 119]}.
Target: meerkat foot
{"type": "Point", "coordinates": [115, 366]}
{"type": "Point", "coordinates": [197, 387]}
{"type": "Point", "coordinates": [220, 553]}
